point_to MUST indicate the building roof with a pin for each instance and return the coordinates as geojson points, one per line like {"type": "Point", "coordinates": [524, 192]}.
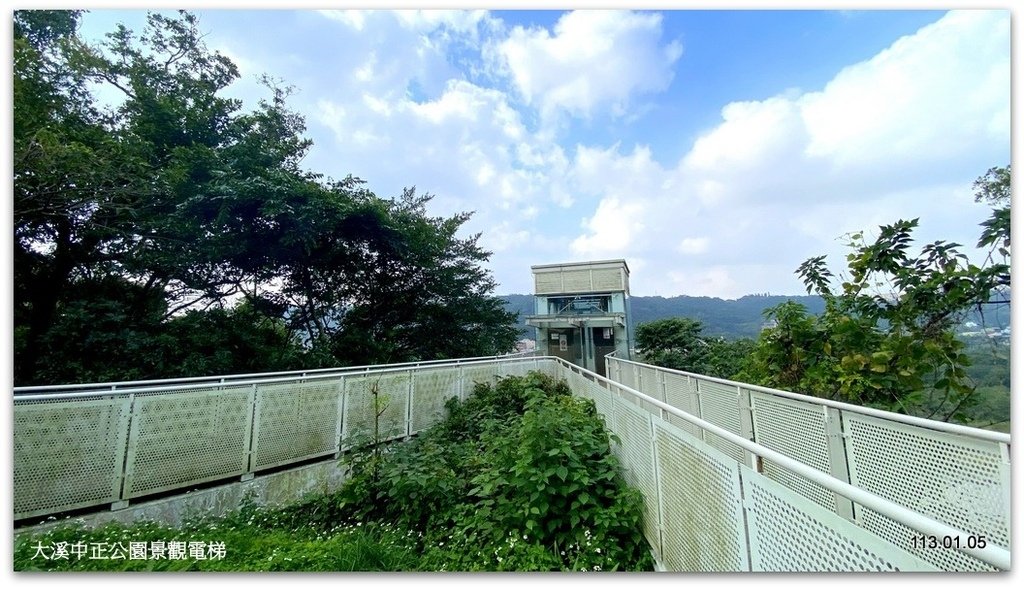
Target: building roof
{"type": "Point", "coordinates": [589, 263]}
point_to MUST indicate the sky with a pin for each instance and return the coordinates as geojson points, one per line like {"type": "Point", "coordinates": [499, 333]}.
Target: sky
{"type": "Point", "coordinates": [713, 150]}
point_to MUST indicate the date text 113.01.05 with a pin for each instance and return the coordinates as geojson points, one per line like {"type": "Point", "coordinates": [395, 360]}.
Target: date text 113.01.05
{"type": "Point", "coordinates": [954, 542]}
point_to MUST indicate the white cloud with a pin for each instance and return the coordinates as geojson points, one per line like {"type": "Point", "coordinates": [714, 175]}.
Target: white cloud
{"type": "Point", "coordinates": [353, 18]}
{"type": "Point", "coordinates": [503, 237]}
{"type": "Point", "coordinates": [932, 94]}
{"type": "Point", "coordinates": [599, 171]}
{"type": "Point", "coordinates": [380, 106]}
{"type": "Point", "coordinates": [595, 59]}
{"type": "Point", "coordinates": [714, 281]}
{"type": "Point", "coordinates": [751, 132]}
{"type": "Point", "coordinates": [462, 21]}
{"type": "Point", "coordinates": [365, 72]}
{"type": "Point", "coordinates": [332, 115]}
{"type": "Point", "coordinates": [775, 181]}
{"type": "Point", "coordinates": [612, 228]}
{"type": "Point", "coordinates": [468, 145]}
{"type": "Point", "coordinates": [693, 245]}
{"type": "Point", "coordinates": [781, 179]}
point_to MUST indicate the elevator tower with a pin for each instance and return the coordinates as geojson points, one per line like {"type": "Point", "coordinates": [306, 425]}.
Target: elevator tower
{"type": "Point", "coordinates": [582, 311]}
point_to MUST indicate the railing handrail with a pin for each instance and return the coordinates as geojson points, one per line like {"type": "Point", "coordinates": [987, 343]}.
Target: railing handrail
{"type": "Point", "coordinates": [108, 388]}
{"type": "Point", "coordinates": [170, 388]}
{"type": "Point", "coordinates": [993, 555]}
{"type": "Point", "coordinates": [932, 424]}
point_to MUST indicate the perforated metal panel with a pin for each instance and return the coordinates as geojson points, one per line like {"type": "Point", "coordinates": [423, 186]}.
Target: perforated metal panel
{"type": "Point", "coordinates": [790, 533]}
{"type": "Point", "coordinates": [513, 368]}
{"type": "Point", "coordinates": [954, 479]}
{"type": "Point", "coordinates": [576, 280]}
{"type": "Point", "coordinates": [431, 390]}
{"type": "Point", "coordinates": [701, 504]}
{"type": "Point", "coordinates": [608, 279]}
{"type": "Point", "coordinates": [651, 383]}
{"type": "Point", "coordinates": [601, 397]}
{"type": "Point", "coordinates": [578, 383]}
{"type": "Point", "coordinates": [896, 533]}
{"type": "Point", "coordinates": [187, 438]}
{"type": "Point", "coordinates": [68, 454]}
{"type": "Point", "coordinates": [636, 454]}
{"type": "Point", "coordinates": [547, 282]}
{"type": "Point", "coordinates": [613, 368]}
{"type": "Point", "coordinates": [361, 406]}
{"type": "Point", "coordinates": [550, 367]}
{"type": "Point", "coordinates": [474, 374]}
{"type": "Point", "coordinates": [796, 429]}
{"type": "Point", "coordinates": [627, 375]}
{"type": "Point", "coordinates": [295, 421]}
{"type": "Point", "coordinates": [681, 393]}
{"type": "Point", "coordinates": [719, 404]}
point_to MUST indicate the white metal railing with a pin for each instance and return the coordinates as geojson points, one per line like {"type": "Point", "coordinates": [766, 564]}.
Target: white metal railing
{"type": "Point", "coordinates": [955, 474]}
{"type": "Point", "coordinates": [119, 387]}
{"type": "Point", "coordinates": [85, 448]}
{"type": "Point", "coordinates": [714, 499]}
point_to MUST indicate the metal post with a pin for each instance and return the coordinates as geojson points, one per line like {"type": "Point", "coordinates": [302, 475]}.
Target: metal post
{"type": "Point", "coordinates": [746, 408]}
{"type": "Point", "coordinates": [838, 463]}
{"type": "Point", "coordinates": [408, 404]}
{"type": "Point", "coordinates": [339, 428]}
{"type": "Point", "coordinates": [254, 426]}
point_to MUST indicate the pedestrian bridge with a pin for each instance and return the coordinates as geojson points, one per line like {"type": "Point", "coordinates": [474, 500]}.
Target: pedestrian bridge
{"type": "Point", "coordinates": [735, 477]}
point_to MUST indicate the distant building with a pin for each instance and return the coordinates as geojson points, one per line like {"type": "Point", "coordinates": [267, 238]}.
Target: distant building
{"type": "Point", "coordinates": [582, 311]}
{"type": "Point", "coordinates": [526, 345]}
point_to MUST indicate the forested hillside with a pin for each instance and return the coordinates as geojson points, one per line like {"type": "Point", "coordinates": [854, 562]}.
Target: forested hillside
{"type": "Point", "coordinates": [728, 318]}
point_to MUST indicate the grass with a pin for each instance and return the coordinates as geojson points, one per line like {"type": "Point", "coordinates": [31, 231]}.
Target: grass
{"type": "Point", "coordinates": [252, 541]}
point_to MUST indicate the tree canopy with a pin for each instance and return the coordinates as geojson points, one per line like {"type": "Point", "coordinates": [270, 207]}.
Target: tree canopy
{"type": "Point", "coordinates": [679, 343]}
{"type": "Point", "coordinates": [171, 232]}
{"type": "Point", "coordinates": [886, 337]}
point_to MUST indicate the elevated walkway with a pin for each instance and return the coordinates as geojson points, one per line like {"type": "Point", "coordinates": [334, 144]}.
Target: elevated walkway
{"type": "Point", "coordinates": [735, 477]}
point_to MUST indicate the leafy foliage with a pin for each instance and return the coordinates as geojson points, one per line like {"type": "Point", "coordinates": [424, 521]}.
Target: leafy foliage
{"type": "Point", "coordinates": [678, 343]}
{"type": "Point", "coordinates": [254, 540]}
{"type": "Point", "coordinates": [174, 200]}
{"type": "Point", "coordinates": [520, 476]}
{"type": "Point", "coordinates": [886, 337]}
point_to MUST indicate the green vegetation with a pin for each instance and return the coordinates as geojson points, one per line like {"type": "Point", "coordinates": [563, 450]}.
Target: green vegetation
{"type": "Point", "coordinates": [726, 318]}
{"type": "Point", "coordinates": [519, 477]}
{"type": "Point", "coordinates": [166, 232]}
{"type": "Point", "coordinates": [887, 336]}
{"type": "Point", "coordinates": [253, 540]}
{"type": "Point", "coordinates": [678, 343]}
{"type": "Point", "coordinates": [990, 372]}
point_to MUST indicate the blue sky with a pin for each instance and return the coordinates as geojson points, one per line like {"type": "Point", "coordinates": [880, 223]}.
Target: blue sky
{"type": "Point", "coordinates": [713, 150]}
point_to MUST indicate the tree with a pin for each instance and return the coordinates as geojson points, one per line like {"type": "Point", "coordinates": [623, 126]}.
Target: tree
{"type": "Point", "coordinates": [994, 188]}
{"type": "Point", "coordinates": [172, 207]}
{"type": "Point", "coordinates": [678, 343]}
{"type": "Point", "coordinates": [886, 337]}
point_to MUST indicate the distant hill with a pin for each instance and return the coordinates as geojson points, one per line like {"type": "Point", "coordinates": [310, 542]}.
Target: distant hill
{"type": "Point", "coordinates": [732, 319]}
{"type": "Point", "coordinates": [737, 318]}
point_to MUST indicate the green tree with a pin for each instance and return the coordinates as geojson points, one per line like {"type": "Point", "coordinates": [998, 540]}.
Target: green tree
{"type": "Point", "coordinates": [886, 338]}
{"type": "Point", "coordinates": [172, 207]}
{"type": "Point", "coordinates": [678, 343]}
